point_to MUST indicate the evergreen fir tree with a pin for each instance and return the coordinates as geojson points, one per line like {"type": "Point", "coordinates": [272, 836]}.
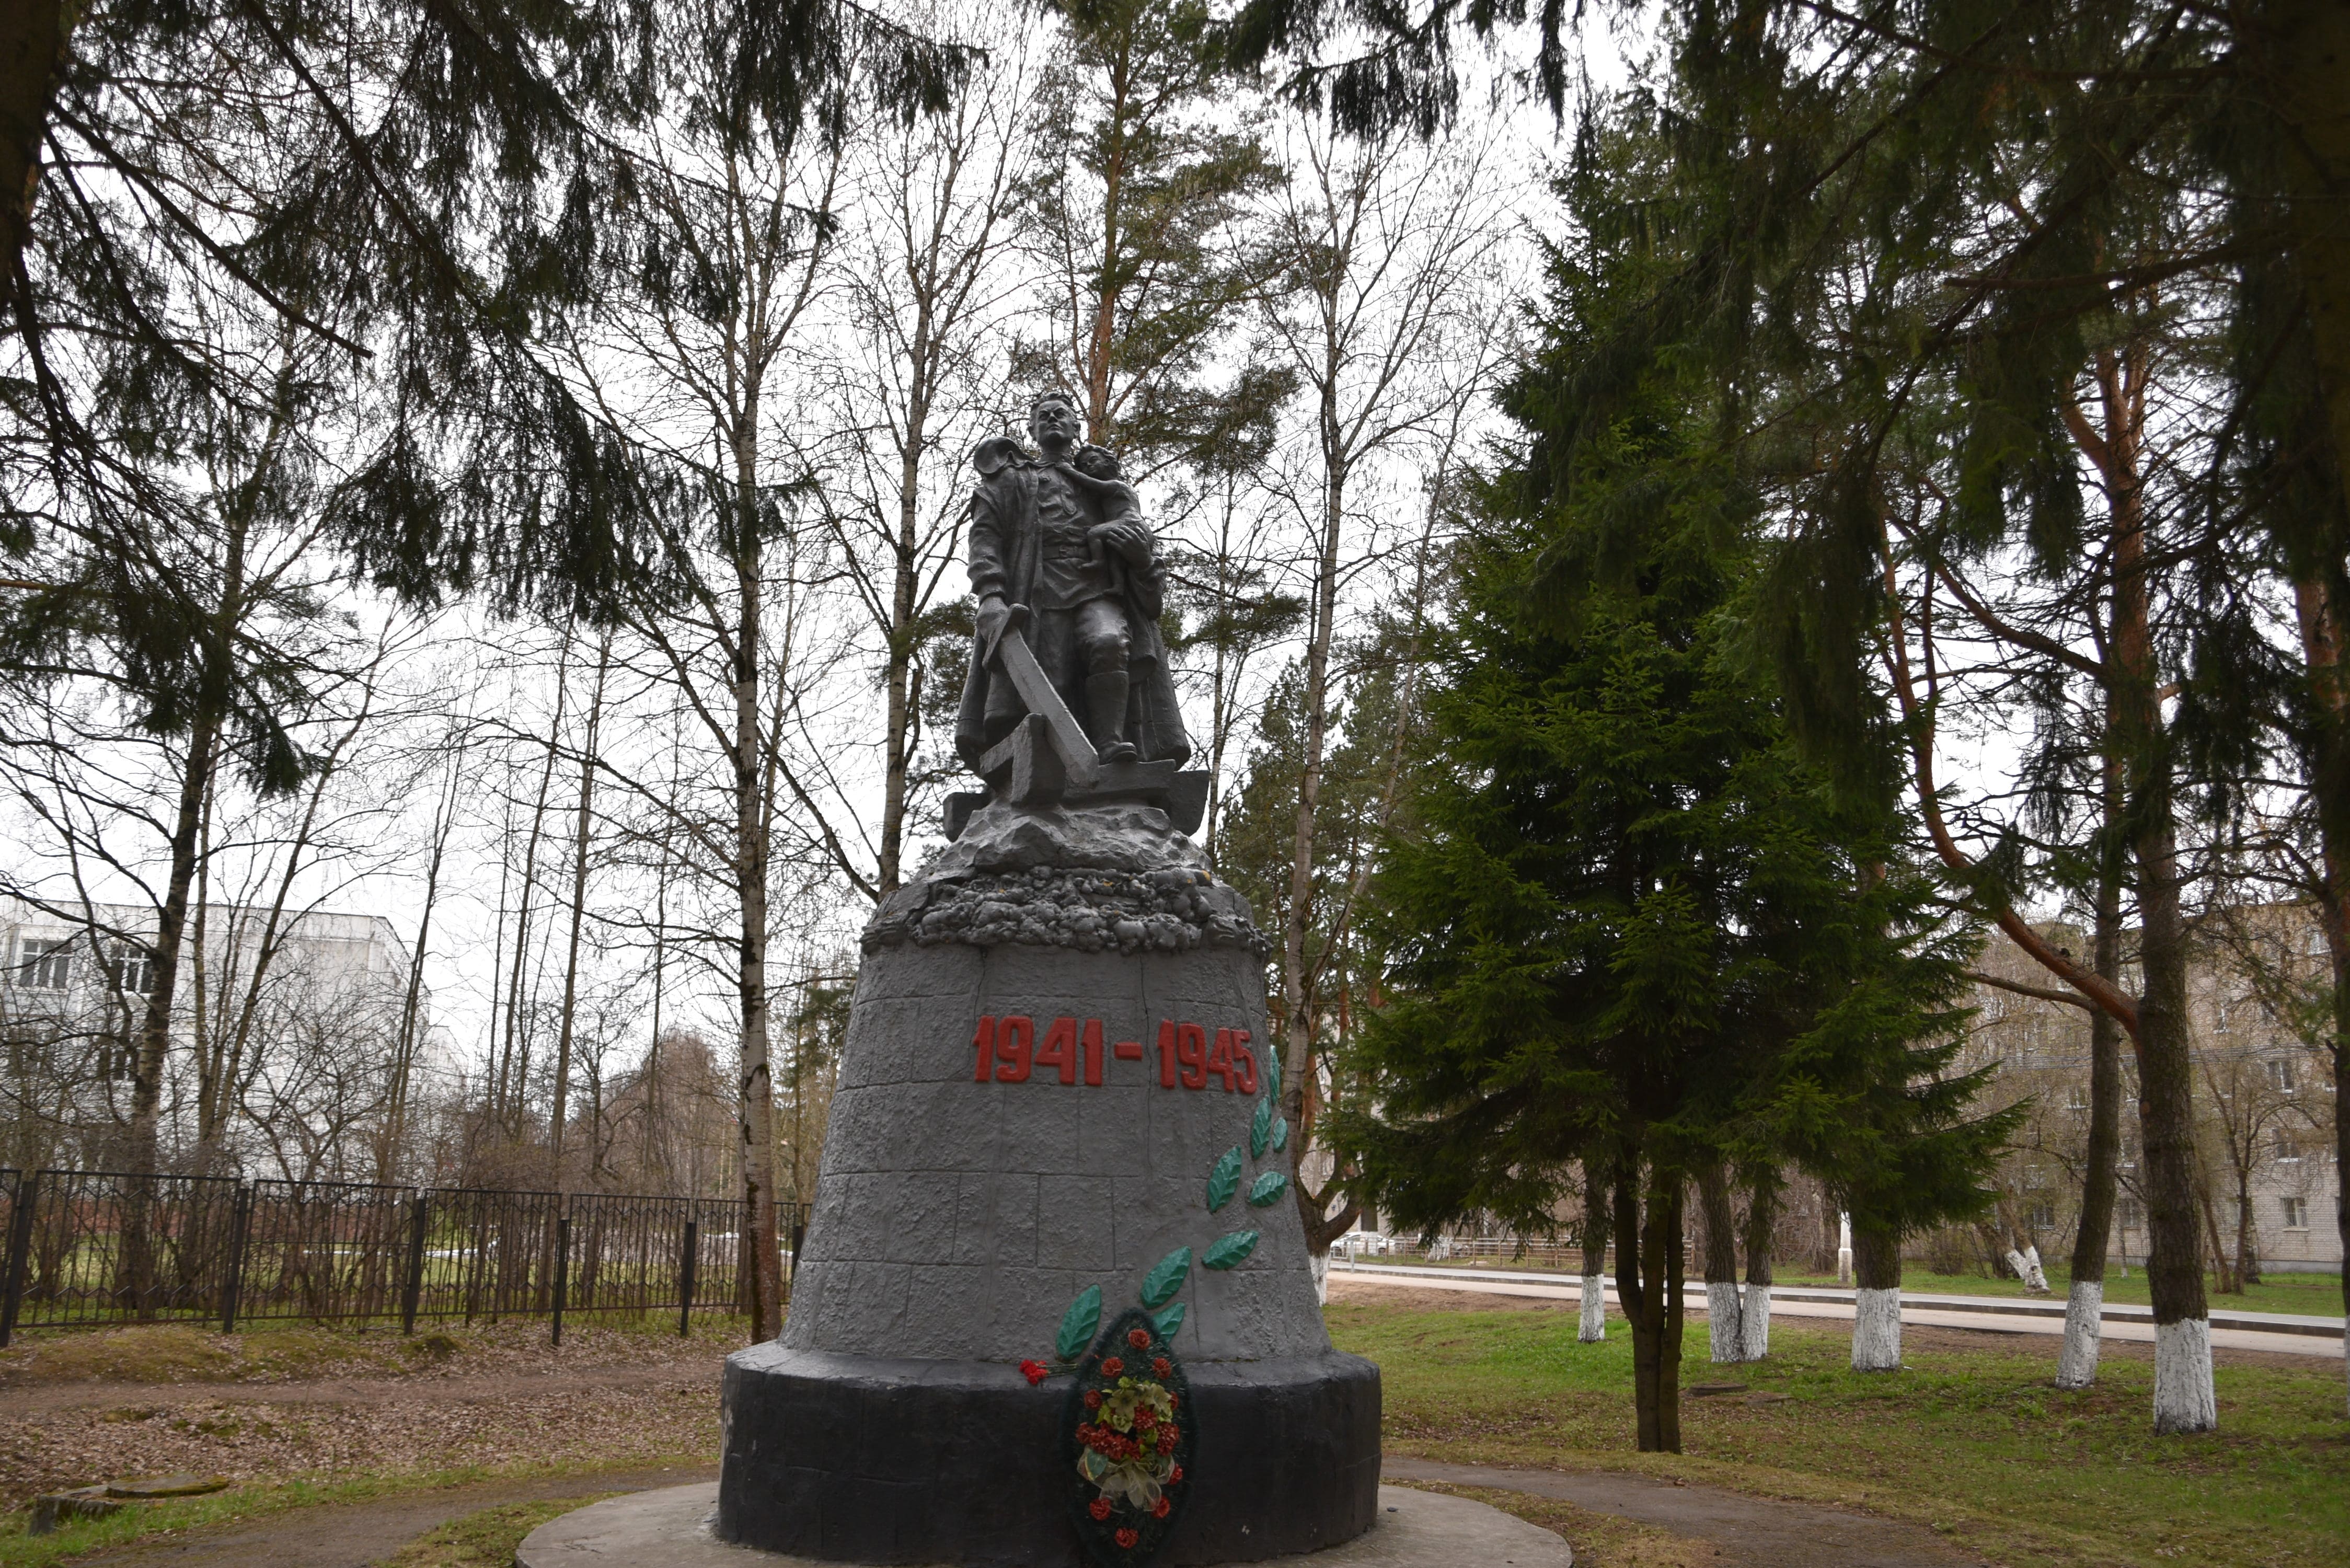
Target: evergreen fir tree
{"type": "Point", "coordinates": [1634, 930]}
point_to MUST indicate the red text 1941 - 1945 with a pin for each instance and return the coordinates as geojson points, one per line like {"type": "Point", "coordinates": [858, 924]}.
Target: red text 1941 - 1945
{"type": "Point", "coordinates": [1009, 1050]}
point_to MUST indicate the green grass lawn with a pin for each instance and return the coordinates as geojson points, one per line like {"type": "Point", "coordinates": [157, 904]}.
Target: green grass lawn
{"type": "Point", "coordinates": [485, 1539]}
{"type": "Point", "coordinates": [2314, 1294]}
{"type": "Point", "coordinates": [1976, 1443]}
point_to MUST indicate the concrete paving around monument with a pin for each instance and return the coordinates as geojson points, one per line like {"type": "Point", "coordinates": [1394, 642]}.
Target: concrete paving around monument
{"type": "Point", "coordinates": [670, 1528]}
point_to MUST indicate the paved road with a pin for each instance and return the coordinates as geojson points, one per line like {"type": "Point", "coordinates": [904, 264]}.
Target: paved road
{"type": "Point", "coordinates": [1933, 1314]}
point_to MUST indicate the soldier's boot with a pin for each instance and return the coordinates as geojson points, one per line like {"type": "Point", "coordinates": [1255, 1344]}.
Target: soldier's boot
{"type": "Point", "coordinates": [1105, 717]}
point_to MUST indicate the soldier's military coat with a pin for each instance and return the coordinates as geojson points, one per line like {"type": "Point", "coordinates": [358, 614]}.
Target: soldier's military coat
{"type": "Point", "coordinates": [1006, 543]}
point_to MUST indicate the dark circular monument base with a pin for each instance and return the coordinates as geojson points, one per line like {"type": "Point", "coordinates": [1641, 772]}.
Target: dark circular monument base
{"type": "Point", "coordinates": [856, 1459]}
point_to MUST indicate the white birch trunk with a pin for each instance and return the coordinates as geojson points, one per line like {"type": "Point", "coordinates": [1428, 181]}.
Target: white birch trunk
{"type": "Point", "coordinates": [1320, 1263]}
{"type": "Point", "coordinates": [1877, 1330]}
{"type": "Point", "coordinates": [1594, 1327]}
{"type": "Point", "coordinates": [1754, 1320]}
{"type": "Point", "coordinates": [2076, 1364]}
{"type": "Point", "coordinates": [2183, 1399]}
{"type": "Point", "coordinates": [1725, 1334]}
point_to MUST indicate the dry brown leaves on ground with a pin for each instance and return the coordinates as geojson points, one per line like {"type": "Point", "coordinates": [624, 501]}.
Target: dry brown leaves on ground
{"type": "Point", "coordinates": [607, 1400]}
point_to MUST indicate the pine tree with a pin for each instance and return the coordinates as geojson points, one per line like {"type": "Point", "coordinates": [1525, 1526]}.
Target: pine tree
{"type": "Point", "coordinates": [1135, 217]}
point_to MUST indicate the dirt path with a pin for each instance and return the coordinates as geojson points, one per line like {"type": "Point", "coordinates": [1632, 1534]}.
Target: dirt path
{"type": "Point", "coordinates": [353, 1535]}
{"type": "Point", "coordinates": [610, 1417]}
{"type": "Point", "coordinates": [1745, 1532]}
{"type": "Point", "coordinates": [46, 1399]}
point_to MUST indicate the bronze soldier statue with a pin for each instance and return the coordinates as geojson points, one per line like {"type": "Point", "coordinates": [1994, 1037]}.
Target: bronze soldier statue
{"type": "Point", "coordinates": [1064, 562]}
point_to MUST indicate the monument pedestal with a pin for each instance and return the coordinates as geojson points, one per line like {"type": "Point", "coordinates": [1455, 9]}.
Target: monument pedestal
{"type": "Point", "coordinates": [1055, 1083]}
{"type": "Point", "coordinates": [854, 1458]}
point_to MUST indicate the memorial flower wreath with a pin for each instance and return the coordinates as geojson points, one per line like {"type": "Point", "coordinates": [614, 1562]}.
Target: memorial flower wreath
{"type": "Point", "coordinates": [1127, 1425]}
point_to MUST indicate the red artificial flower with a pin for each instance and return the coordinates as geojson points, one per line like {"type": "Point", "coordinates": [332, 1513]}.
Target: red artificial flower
{"type": "Point", "coordinates": [1138, 1338]}
{"type": "Point", "coordinates": [1174, 1475]}
{"type": "Point", "coordinates": [1127, 1538]}
{"type": "Point", "coordinates": [1099, 1509]}
{"type": "Point", "coordinates": [1160, 1368]}
{"type": "Point", "coordinates": [1159, 1510]}
{"type": "Point", "coordinates": [1092, 1399]}
{"type": "Point", "coordinates": [1144, 1419]}
{"type": "Point", "coordinates": [1112, 1366]}
{"type": "Point", "coordinates": [1035, 1372]}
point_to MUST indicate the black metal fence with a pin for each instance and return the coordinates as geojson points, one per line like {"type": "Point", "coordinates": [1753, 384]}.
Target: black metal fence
{"type": "Point", "coordinates": [89, 1248]}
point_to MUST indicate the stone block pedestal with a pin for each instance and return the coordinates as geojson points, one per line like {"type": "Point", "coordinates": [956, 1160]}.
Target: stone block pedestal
{"type": "Point", "coordinates": [1056, 1079]}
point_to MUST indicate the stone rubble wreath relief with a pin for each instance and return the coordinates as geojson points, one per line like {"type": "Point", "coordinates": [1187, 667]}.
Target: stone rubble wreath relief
{"type": "Point", "coordinates": [1127, 1429]}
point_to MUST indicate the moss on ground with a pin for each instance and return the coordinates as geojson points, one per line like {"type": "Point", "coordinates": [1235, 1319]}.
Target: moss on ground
{"type": "Point", "coordinates": [485, 1539]}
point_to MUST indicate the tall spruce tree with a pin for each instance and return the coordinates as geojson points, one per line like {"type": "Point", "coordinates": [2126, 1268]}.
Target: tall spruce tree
{"type": "Point", "coordinates": [1635, 932]}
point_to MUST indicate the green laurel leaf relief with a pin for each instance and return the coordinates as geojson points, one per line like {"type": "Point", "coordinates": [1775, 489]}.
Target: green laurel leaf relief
{"type": "Point", "coordinates": [1229, 1250]}
{"type": "Point", "coordinates": [1267, 1189]}
{"type": "Point", "coordinates": [1261, 1128]}
{"type": "Point", "coordinates": [1281, 1133]}
{"type": "Point", "coordinates": [1079, 1324]}
{"type": "Point", "coordinates": [1169, 1321]}
{"type": "Point", "coordinates": [1160, 1285]}
{"type": "Point", "coordinates": [1225, 1179]}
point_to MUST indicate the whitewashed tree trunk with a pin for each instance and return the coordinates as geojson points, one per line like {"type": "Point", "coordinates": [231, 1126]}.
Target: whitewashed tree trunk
{"type": "Point", "coordinates": [2183, 1398]}
{"type": "Point", "coordinates": [1754, 1321]}
{"type": "Point", "coordinates": [2029, 1269]}
{"type": "Point", "coordinates": [1726, 1334]}
{"type": "Point", "coordinates": [1844, 1249]}
{"type": "Point", "coordinates": [1877, 1330]}
{"type": "Point", "coordinates": [2076, 1365]}
{"type": "Point", "coordinates": [1594, 1327]}
{"type": "Point", "coordinates": [1320, 1263]}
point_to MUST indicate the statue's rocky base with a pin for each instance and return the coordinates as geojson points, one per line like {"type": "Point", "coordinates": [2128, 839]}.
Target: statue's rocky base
{"type": "Point", "coordinates": [859, 1458]}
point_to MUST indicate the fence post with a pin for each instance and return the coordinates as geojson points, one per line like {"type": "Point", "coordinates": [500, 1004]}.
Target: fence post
{"type": "Point", "coordinates": [20, 1251]}
{"type": "Point", "coordinates": [419, 1212]}
{"type": "Point", "coordinates": [562, 1271]}
{"type": "Point", "coordinates": [799, 1235]}
{"type": "Point", "coordinates": [685, 1282]}
{"type": "Point", "coordinates": [240, 1224]}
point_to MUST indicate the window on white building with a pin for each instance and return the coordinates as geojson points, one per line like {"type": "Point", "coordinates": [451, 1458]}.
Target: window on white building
{"type": "Point", "coordinates": [2288, 1148]}
{"type": "Point", "coordinates": [130, 968]}
{"type": "Point", "coordinates": [2296, 1213]}
{"type": "Point", "coordinates": [45, 965]}
{"type": "Point", "coordinates": [2281, 1073]}
{"type": "Point", "coordinates": [2043, 1217]}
